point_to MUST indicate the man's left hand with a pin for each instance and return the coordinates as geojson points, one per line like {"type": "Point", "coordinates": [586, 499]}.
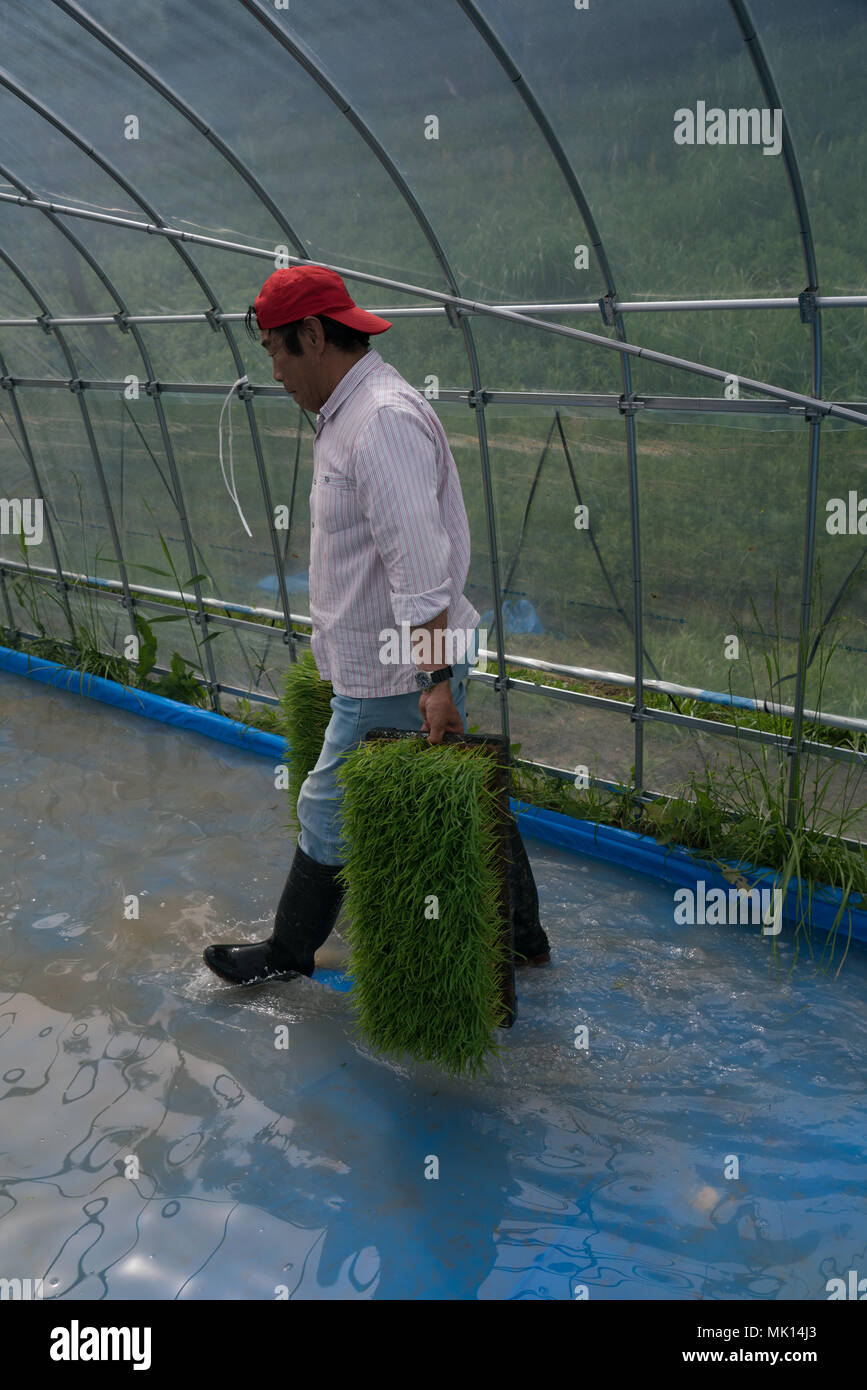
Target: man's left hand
{"type": "Point", "coordinates": [439, 712]}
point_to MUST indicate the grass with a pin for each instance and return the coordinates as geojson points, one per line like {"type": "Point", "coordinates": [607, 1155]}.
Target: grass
{"type": "Point", "coordinates": [86, 640]}
{"type": "Point", "coordinates": [722, 818]}
{"type": "Point", "coordinates": [422, 883]}
{"type": "Point", "coordinates": [305, 709]}
{"type": "Point", "coordinates": [747, 811]}
{"type": "Point", "coordinates": [85, 652]}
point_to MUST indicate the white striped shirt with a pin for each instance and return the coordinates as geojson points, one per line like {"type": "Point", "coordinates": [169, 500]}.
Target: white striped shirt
{"type": "Point", "coordinates": [389, 539]}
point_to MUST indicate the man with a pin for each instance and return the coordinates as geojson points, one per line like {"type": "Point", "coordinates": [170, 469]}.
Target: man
{"type": "Point", "coordinates": [389, 549]}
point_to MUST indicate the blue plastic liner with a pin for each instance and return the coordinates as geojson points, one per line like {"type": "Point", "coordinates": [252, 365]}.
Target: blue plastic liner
{"type": "Point", "coordinates": [125, 697]}
{"type": "Point", "coordinates": [674, 864]}
{"type": "Point", "coordinates": [640, 853]}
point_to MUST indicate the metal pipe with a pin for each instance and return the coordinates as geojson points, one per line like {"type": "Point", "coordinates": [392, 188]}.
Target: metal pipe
{"type": "Point", "coordinates": [824, 750]}
{"type": "Point", "coordinates": [637, 594]}
{"type": "Point", "coordinates": [168, 94]}
{"type": "Point", "coordinates": [142, 70]}
{"type": "Point", "coordinates": [501, 684]}
{"type": "Point", "coordinates": [530, 100]}
{"type": "Point", "coordinates": [473, 306]}
{"type": "Point", "coordinates": [842, 301]}
{"type": "Point", "coordinates": [690, 721]}
{"type": "Point", "coordinates": [10, 626]}
{"type": "Point", "coordinates": [35, 294]}
{"type": "Point", "coordinates": [587, 673]}
{"type": "Point", "coordinates": [199, 278]}
{"type": "Point", "coordinates": [794, 797]}
{"type": "Point", "coordinates": [118, 177]}
{"type": "Point", "coordinates": [308, 63]}
{"type": "Point", "coordinates": [177, 497]}
{"type": "Point", "coordinates": [520, 85]}
{"type": "Point", "coordinates": [811, 315]}
{"type": "Point", "coordinates": [60, 583]}
{"type": "Point", "coordinates": [707, 726]}
{"type": "Point", "coordinates": [708, 405]}
{"type": "Point", "coordinates": [769, 87]}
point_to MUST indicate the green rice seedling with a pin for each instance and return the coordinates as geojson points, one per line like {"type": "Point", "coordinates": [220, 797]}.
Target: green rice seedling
{"type": "Point", "coordinates": [27, 591]}
{"type": "Point", "coordinates": [423, 880]}
{"type": "Point", "coordinates": [796, 829]}
{"type": "Point", "coordinates": [305, 704]}
{"type": "Point", "coordinates": [267, 718]}
{"type": "Point", "coordinates": [749, 811]}
{"type": "Point", "coordinates": [84, 651]}
{"type": "Point", "coordinates": [184, 681]}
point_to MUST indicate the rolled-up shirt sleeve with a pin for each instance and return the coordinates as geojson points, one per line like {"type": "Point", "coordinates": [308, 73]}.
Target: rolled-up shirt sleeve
{"type": "Point", "coordinates": [397, 477]}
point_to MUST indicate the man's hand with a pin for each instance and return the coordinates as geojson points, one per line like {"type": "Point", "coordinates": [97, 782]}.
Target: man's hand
{"type": "Point", "coordinates": [439, 712]}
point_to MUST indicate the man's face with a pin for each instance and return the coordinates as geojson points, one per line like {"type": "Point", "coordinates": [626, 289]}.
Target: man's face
{"type": "Point", "coordinates": [299, 376]}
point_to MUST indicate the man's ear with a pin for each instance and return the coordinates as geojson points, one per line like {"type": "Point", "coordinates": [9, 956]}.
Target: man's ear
{"type": "Point", "coordinates": [312, 328]}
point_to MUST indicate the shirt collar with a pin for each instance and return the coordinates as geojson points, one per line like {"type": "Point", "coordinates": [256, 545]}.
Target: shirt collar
{"type": "Point", "coordinates": [347, 384]}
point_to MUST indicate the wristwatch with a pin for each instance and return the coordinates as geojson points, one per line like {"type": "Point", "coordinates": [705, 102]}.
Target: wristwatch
{"type": "Point", "coordinates": [426, 679]}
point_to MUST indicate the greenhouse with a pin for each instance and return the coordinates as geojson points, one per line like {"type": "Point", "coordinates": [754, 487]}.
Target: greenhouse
{"type": "Point", "coordinates": [321, 323]}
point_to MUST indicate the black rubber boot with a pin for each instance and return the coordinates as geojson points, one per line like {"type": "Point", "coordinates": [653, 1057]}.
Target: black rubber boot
{"type": "Point", "coordinates": [530, 943]}
{"type": "Point", "coordinates": [307, 911]}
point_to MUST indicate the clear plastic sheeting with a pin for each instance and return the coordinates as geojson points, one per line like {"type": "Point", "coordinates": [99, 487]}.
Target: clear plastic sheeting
{"type": "Point", "coordinates": [628, 515]}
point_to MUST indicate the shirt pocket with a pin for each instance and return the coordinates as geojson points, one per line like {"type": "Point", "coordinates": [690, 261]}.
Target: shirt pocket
{"type": "Point", "coordinates": [336, 506]}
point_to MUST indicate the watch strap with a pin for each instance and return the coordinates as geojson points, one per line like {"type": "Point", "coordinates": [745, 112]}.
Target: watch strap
{"type": "Point", "coordinates": [445, 673]}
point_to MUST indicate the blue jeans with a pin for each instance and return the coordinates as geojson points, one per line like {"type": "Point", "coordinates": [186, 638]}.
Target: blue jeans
{"type": "Point", "coordinates": [319, 801]}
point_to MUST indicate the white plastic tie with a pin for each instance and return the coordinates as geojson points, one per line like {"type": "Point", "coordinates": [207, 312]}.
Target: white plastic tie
{"type": "Point", "coordinates": [232, 491]}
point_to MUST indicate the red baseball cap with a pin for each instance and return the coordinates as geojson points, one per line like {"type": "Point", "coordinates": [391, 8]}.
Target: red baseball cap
{"type": "Point", "coordinates": [299, 290]}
